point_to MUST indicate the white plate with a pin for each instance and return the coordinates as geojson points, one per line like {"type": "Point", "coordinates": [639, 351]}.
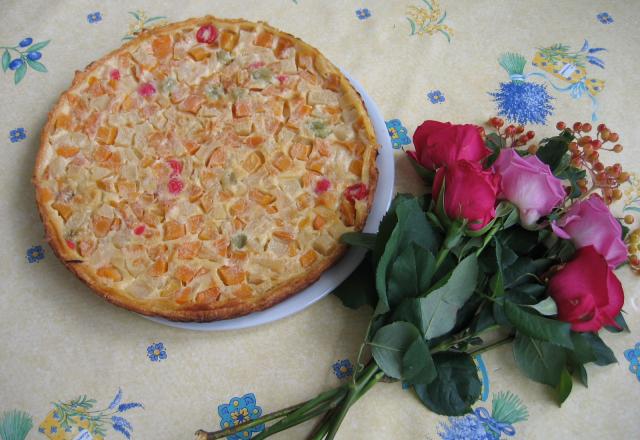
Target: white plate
{"type": "Point", "coordinates": [331, 278]}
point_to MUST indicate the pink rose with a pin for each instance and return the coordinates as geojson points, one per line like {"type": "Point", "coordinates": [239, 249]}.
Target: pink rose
{"type": "Point", "coordinates": [528, 183]}
{"type": "Point", "coordinates": [587, 292]}
{"type": "Point", "coordinates": [590, 223]}
{"type": "Point", "coordinates": [469, 192]}
{"type": "Point", "coordinates": [442, 143]}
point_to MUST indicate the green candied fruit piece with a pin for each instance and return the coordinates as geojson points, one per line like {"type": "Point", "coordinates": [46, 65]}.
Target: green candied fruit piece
{"type": "Point", "coordinates": [239, 92]}
{"type": "Point", "coordinates": [320, 128]}
{"type": "Point", "coordinates": [239, 241]}
{"type": "Point", "coordinates": [263, 73]}
{"type": "Point", "coordinates": [167, 85]}
{"type": "Point", "coordinates": [214, 91]}
{"type": "Point", "coordinates": [224, 57]}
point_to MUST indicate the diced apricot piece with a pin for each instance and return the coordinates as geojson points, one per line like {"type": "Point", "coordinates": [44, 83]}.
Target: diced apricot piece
{"type": "Point", "coordinates": [173, 230]}
{"type": "Point", "coordinates": [333, 82]}
{"type": "Point", "coordinates": [63, 122]}
{"type": "Point", "coordinates": [306, 179]}
{"type": "Point", "coordinates": [207, 232]}
{"type": "Point", "coordinates": [271, 209]}
{"type": "Point", "coordinates": [252, 162]}
{"type": "Point", "coordinates": [162, 46]}
{"type": "Point", "coordinates": [242, 108]}
{"type": "Point", "coordinates": [46, 195]}
{"type": "Point", "coordinates": [255, 140]}
{"type": "Point", "coordinates": [319, 222]}
{"type": "Point", "coordinates": [348, 212]}
{"type": "Point", "coordinates": [191, 146]}
{"type": "Point", "coordinates": [282, 162]}
{"type": "Point", "coordinates": [308, 258]}
{"type": "Point", "coordinates": [185, 274]}
{"type": "Point", "coordinates": [264, 39]}
{"type": "Point", "coordinates": [284, 235]}
{"type": "Point", "coordinates": [156, 252]}
{"type": "Point", "coordinates": [238, 224]}
{"type": "Point", "coordinates": [282, 46]}
{"type": "Point", "coordinates": [109, 272]}
{"type": "Point", "coordinates": [67, 151]}
{"type": "Point", "coordinates": [158, 268]}
{"type": "Point", "coordinates": [238, 207]}
{"type": "Point", "coordinates": [221, 246]}
{"type": "Point", "coordinates": [300, 151]}
{"type": "Point", "coordinates": [206, 201]}
{"type": "Point", "coordinates": [356, 167]}
{"type": "Point", "coordinates": [228, 40]}
{"type": "Point", "coordinates": [237, 255]}
{"type": "Point", "coordinates": [261, 198]}
{"type": "Point", "coordinates": [86, 247]}
{"type": "Point", "coordinates": [101, 225]}
{"type": "Point", "coordinates": [293, 248]}
{"type": "Point", "coordinates": [192, 104]}
{"type": "Point", "coordinates": [184, 296]}
{"type": "Point", "coordinates": [107, 135]}
{"type": "Point", "coordinates": [316, 165]}
{"type": "Point", "coordinates": [244, 291]}
{"type": "Point", "coordinates": [199, 53]}
{"type": "Point", "coordinates": [101, 154]}
{"type": "Point", "coordinates": [63, 209]}
{"type": "Point", "coordinates": [189, 250]}
{"type": "Point", "coordinates": [217, 158]}
{"type": "Point", "coordinates": [304, 201]}
{"type": "Point", "coordinates": [208, 295]}
{"type": "Point", "coordinates": [195, 192]}
{"type": "Point", "coordinates": [194, 223]}
{"type": "Point", "coordinates": [231, 275]}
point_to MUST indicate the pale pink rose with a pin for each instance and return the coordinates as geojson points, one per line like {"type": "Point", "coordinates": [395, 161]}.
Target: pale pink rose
{"type": "Point", "coordinates": [528, 183]}
{"type": "Point", "coordinates": [590, 223]}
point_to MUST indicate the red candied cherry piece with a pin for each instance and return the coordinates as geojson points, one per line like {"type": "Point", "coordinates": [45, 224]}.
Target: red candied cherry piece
{"type": "Point", "coordinates": [356, 192]}
{"type": "Point", "coordinates": [207, 34]}
{"type": "Point", "coordinates": [175, 186]}
{"type": "Point", "coordinates": [322, 186]}
{"type": "Point", "coordinates": [71, 244]}
{"type": "Point", "coordinates": [282, 79]}
{"type": "Point", "coordinates": [146, 89]}
{"type": "Point", "coordinates": [139, 230]}
{"type": "Point", "coordinates": [176, 167]}
{"type": "Point", "coordinates": [114, 74]}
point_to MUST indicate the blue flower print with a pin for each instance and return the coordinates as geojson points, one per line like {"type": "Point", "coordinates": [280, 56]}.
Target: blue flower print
{"type": "Point", "coordinates": [604, 18]}
{"type": "Point", "coordinates": [35, 254]}
{"type": "Point", "coordinates": [397, 133]}
{"type": "Point", "coordinates": [435, 96]}
{"type": "Point", "coordinates": [17, 135]}
{"type": "Point", "coordinates": [633, 356]}
{"type": "Point", "coordinates": [94, 17]}
{"type": "Point", "coordinates": [240, 410]}
{"type": "Point", "coordinates": [343, 368]}
{"type": "Point", "coordinates": [363, 14]}
{"type": "Point", "coordinates": [156, 352]}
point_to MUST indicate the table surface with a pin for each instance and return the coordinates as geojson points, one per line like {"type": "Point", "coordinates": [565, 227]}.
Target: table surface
{"type": "Point", "coordinates": [60, 342]}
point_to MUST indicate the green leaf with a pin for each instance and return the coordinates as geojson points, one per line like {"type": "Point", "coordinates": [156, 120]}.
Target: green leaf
{"type": "Point", "coordinates": [359, 288]}
{"type": "Point", "coordinates": [519, 239]}
{"type": "Point", "coordinates": [35, 65]}
{"type": "Point", "coordinates": [483, 320]}
{"type": "Point", "coordinates": [538, 327]}
{"type": "Point", "coordinates": [387, 225]}
{"type": "Point", "coordinates": [539, 360]}
{"type": "Point", "coordinates": [573, 174]}
{"type": "Point", "coordinates": [135, 15]}
{"type": "Point", "coordinates": [360, 239]}
{"type": "Point", "coordinates": [619, 319]}
{"type": "Point", "coordinates": [583, 377]}
{"type": "Point", "coordinates": [412, 227]}
{"type": "Point", "coordinates": [527, 294]}
{"type": "Point", "coordinates": [525, 269]}
{"type": "Point", "coordinates": [425, 174]}
{"type": "Point", "coordinates": [553, 150]}
{"type": "Point", "coordinates": [411, 274]}
{"type": "Point", "coordinates": [546, 307]}
{"type": "Point", "coordinates": [6, 59]}
{"type": "Point", "coordinates": [456, 387]}
{"type": "Point", "coordinates": [20, 72]}
{"type": "Point", "coordinates": [38, 46]}
{"type": "Point", "coordinates": [495, 143]}
{"type": "Point", "coordinates": [417, 363]}
{"type": "Point", "coordinates": [390, 344]}
{"type": "Point", "coordinates": [563, 389]}
{"type": "Point", "coordinates": [438, 309]}
{"type": "Point", "coordinates": [603, 354]}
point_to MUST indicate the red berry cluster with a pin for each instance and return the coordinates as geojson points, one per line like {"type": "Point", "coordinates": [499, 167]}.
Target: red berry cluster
{"type": "Point", "coordinates": [585, 154]}
{"type": "Point", "coordinates": [515, 135]}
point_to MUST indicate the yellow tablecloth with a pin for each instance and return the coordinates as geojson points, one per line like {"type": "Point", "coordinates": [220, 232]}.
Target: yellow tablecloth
{"type": "Point", "coordinates": [60, 342]}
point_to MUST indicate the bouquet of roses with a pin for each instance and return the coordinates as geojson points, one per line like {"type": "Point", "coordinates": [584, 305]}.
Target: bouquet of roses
{"type": "Point", "coordinates": [514, 242]}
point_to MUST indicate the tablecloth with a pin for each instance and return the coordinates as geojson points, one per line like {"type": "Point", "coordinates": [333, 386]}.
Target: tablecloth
{"type": "Point", "coordinates": [418, 59]}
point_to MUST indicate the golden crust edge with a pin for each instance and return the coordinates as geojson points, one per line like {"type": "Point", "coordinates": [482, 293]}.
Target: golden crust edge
{"type": "Point", "coordinates": [271, 297]}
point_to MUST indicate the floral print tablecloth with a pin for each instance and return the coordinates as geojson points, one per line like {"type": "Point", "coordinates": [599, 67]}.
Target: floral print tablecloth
{"type": "Point", "coordinates": [76, 367]}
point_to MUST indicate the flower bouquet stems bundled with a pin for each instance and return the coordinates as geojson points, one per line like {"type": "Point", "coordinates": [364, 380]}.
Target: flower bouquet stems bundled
{"type": "Point", "coordinates": [513, 243]}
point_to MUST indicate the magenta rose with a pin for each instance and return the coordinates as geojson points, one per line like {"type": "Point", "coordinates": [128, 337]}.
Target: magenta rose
{"type": "Point", "coordinates": [442, 143]}
{"type": "Point", "coordinates": [528, 183]}
{"type": "Point", "coordinates": [590, 223]}
{"type": "Point", "coordinates": [587, 292]}
{"type": "Point", "coordinates": [469, 192]}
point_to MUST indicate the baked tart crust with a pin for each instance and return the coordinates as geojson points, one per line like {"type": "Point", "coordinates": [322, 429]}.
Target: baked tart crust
{"type": "Point", "coordinates": [205, 170]}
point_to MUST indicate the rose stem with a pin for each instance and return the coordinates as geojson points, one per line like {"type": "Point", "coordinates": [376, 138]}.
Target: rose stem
{"type": "Point", "coordinates": [492, 345]}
